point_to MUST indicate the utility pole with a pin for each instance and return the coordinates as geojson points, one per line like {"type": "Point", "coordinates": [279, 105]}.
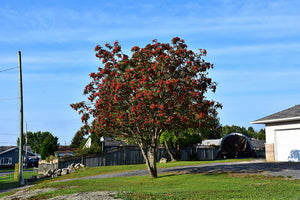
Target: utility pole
{"type": "Point", "coordinates": [26, 145]}
{"type": "Point", "coordinates": [21, 180]}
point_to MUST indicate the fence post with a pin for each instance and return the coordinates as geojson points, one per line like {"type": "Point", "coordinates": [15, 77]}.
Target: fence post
{"type": "Point", "coordinates": [124, 155]}
{"type": "Point", "coordinates": [104, 158]}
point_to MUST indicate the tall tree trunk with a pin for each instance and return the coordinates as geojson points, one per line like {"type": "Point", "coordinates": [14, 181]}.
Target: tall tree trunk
{"type": "Point", "coordinates": [169, 152]}
{"type": "Point", "coordinates": [150, 156]}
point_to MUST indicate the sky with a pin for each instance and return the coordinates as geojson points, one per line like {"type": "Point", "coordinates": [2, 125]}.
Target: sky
{"type": "Point", "coordinates": [254, 45]}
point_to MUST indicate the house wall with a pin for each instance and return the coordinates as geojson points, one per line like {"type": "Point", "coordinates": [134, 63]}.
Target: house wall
{"type": "Point", "coordinates": [14, 154]}
{"type": "Point", "coordinates": [273, 150]}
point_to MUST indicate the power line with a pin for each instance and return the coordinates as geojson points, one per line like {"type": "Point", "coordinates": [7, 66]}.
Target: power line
{"type": "Point", "coordinates": [9, 99]}
{"type": "Point", "coordinates": [4, 70]}
{"type": "Point", "coordinates": [8, 134]}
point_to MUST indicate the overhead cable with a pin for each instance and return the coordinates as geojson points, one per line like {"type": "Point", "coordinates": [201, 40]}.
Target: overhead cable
{"type": "Point", "coordinates": [4, 70]}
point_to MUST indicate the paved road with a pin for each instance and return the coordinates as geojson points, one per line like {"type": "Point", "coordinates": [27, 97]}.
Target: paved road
{"type": "Point", "coordinates": [287, 169]}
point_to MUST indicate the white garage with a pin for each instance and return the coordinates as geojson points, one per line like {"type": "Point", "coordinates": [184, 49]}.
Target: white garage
{"type": "Point", "coordinates": [282, 135]}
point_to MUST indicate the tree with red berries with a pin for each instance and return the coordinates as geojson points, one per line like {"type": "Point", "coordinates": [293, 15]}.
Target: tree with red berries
{"type": "Point", "coordinates": [160, 87]}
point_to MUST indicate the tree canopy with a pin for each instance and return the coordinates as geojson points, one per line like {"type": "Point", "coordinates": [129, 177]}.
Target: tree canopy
{"type": "Point", "coordinates": [35, 139]}
{"type": "Point", "coordinates": [160, 87]}
{"type": "Point", "coordinates": [79, 137]}
{"type": "Point", "coordinates": [250, 132]}
{"type": "Point", "coordinates": [49, 146]}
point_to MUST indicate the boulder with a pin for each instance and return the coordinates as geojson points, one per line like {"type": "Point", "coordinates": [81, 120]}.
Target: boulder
{"type": "Point", "coordinates": [57, 172]}
{"type": "Point", "coordinates": [78, 166]}
{"type": "Point", "coordinates": [49, 173]}
{"type": "Point", "coordinates": [32, 178]}
{"type": "Point", "coordinates": [65, 171]}
{"type": "Point", "coordinates": [163, 160]}
{"type": "Point", "coordinates": [42, 176]}
{"type": "Point", "coordinates": [71, 169]}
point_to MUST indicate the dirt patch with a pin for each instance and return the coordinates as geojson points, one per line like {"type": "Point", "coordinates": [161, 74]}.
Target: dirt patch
{"type": "Point", "coordinates": [30, 194]}
{"type": "Point", "coordinates": [27, 194]}
{"type": "Point", "coordinates": [88, 195]}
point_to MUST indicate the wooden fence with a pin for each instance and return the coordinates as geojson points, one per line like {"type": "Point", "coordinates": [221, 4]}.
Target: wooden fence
{"type": "Point", "coordinates": [132, 155]}
{"type": "Point", "coordinates": [127, 156]}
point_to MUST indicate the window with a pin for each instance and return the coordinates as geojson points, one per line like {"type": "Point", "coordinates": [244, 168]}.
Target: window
{"type": "Point", "coordinates": [6, 161]}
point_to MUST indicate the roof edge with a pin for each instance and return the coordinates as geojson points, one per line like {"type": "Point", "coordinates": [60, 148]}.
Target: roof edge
{"type": "Point", "coordinates": [275, 120]}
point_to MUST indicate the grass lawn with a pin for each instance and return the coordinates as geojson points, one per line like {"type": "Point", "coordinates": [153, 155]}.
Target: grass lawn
{"type": "Point", "coordinates": [8, 181]}
{"type": "Point", "coordinates": [185, 186]}
{"type": "Point", "coordinates": [174, 186]}
{"type": "Point", "coordinates": [123, 168]}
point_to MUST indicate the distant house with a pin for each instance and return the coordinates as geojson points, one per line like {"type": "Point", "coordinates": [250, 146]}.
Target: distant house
{"type": "Point", "coordinates": [65, 151]}
{"type": "Point", "coordinates": [211, 142]}
{"type": "Point", "coordinates": [108, 143]}
{"type": "Point", "coordinates": [282, 135]}
{"type": "Point", "coordinates": [10, 156]}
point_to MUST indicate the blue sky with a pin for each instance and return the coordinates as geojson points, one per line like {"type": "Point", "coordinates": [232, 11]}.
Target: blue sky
{"type": "Point", "coordinates": [254, 45]}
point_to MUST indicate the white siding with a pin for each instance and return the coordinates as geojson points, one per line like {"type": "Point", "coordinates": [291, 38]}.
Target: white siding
{"type": "Point", "coordinates": [286, 140]}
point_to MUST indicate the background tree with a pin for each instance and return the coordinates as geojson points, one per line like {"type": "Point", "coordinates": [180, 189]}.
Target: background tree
{"type": "Point", "coordinates": [35, 139]}
{"type": "Point", "coordinates": [48, 147]}
{"type": "Point", "coordinates": [160, 87]}
{"type": "Point", "coordinates": [175, 140]}
{"type": "Point", "coordinates": [213, 130]}
{"type": "Point", "coordinates": [250, 132]}
{"type": "Point", "coordinates": [79, 137]}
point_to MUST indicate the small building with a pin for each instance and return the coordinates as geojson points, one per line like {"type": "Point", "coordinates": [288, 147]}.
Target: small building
{"type": "Point", "coordinates": [211, 142]}
{"type": "Point", "coordinates": [236, 145]}
{"type": "Point", "coordinates": [282, 135]}
{"type": "Point", "coordinates": [65, 151]}
{"type": "Point", "coordinates": [10, 156]}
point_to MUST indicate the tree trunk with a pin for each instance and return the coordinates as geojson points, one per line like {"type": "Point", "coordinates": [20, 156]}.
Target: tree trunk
{"type": "Point", "coordinates": [169, 152]}
{"type": "Point", "coordinates": [150, 156]}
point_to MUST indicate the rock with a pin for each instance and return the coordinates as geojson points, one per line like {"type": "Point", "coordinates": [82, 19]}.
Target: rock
{"type": "Point", "coordinates": [163, 160]}
{"type": "Point", "coordinates": [42, 176]}
{"type": "Point", "coordinates": [71, 169]}
{"type": "Point", "coordinates": [32, 178]}
{"type": "Point", "coordinates": [49, 173]}
{"type": "Point", "coordinates": [65, 171]}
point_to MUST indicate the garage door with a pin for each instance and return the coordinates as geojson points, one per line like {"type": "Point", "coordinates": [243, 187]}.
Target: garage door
{"type": "Point", "coordinates": [287, 145]}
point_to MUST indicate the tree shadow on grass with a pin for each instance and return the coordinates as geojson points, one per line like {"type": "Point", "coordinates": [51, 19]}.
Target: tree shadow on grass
{"type": "Point", "coordinates": [236, 168]}
{"type": "Point", "coordinates": [167, 175]}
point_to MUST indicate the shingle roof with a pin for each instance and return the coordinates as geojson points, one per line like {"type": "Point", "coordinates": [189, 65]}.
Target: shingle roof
{"type": "Point", "coordinates": [289, 114]}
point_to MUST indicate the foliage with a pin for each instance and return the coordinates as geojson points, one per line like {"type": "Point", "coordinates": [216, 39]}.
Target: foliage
{"type": "Point", "coordinates": [79, 137]}
{"type": "Point", "coordinates": [213, 129]}
{"type": "Point", "coordinates": [160, 87]}
{"type": "Point", "coordinates": [35, 139]}
{"type": "Point", "coordinates": [95, 148]}
{"type": "Point", "coordinates": [50, 158]}
{"type": "Point", "coordinates": [49, 146]}
{"type": "Point", "coordinates": [250, 132]}
{"type": "Point", "coordinates": [175, 140]}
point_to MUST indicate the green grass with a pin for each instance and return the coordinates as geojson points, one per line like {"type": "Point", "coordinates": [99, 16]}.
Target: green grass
{"type": "Point", "coordinates": [8, 181]}
{"type": "Point", "coordinates": [123, 168]}
{"type": "Point", "coordinates": [173, 186]}
{"type": "Point", "coordinates": [187, 186]}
